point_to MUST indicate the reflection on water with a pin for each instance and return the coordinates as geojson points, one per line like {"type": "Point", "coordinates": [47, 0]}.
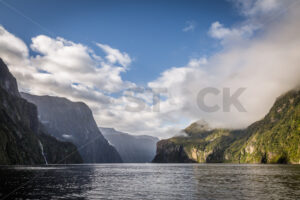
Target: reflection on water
{"type": "Point", "coordinates": [152, 181]}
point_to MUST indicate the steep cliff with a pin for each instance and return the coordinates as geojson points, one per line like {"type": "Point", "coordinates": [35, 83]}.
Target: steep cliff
{"type": "Point", "coordinates": [274, 139]}
{"type": "Point", "coordinates": [74, 122]}
{"type": "Point", "coordinates": [199, 144]}
{"type": "Point", "coordinates": [133, 149]}
{"type": "Point", "coordinates": [20, 131]}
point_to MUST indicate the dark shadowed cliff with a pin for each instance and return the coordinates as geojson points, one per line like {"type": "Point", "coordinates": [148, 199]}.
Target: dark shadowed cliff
{"type": "Point", "coordinates": [74, 122]}
{"type": "Point", "coordinates": [22, 138]}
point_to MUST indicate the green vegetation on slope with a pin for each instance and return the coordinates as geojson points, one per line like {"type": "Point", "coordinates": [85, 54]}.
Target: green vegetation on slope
{"type": "Point", "coordinates": [274, 139]}
{"type": "Point", "coordinates": [200, 144]}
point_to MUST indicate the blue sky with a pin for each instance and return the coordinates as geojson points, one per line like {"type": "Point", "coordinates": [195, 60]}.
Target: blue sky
{"type": "Point", "coordinates": [99, 52]}
{"type": "Point", "coordinates": [151, 32]}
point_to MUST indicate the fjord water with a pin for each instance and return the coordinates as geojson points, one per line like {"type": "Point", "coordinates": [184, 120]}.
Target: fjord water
{"type": "Point", "coordinates": [151, 181]}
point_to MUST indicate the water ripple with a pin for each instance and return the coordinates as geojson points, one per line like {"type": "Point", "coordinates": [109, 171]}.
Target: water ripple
{"type": "Point", "coordinates": [152, 181]}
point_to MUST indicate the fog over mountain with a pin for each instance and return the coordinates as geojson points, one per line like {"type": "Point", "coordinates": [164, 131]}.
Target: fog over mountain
{"type": "Point", "coordinates": [273, 139]}
{"type": "Point", "coordinates": [259, 53]}
{"type": "Point", "coordinates": [150, 99]}
{"type": "Point", "coordinates": [74, 122]}
{"type": "Point", "coordinates": [132, 148]}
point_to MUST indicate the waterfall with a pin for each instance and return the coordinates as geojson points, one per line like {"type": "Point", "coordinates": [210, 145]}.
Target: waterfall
{"type": "Point", "coordinates": [42, 149]}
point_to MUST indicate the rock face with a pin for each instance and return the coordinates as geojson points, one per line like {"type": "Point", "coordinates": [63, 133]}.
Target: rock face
{"type": "Point", "coordinates": [74, 122]}
{"type": "Point", "coordinates": [170, 152]}
{"type": "Point", "coordinates": [7, 81]}
{"type": "Point", "coordinates": [20, 131]}
{"type": "Point", "coordinates": [200, 144]}
{"type": "Point", "coordinates": [133, 149]}
{"type": "Point", "coordinates": [274, 139]}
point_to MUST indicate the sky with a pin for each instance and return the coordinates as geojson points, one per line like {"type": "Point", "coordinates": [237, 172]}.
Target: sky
{"type": "Point", "coordinates": [117, 55]}
{"type": "Point", "coordinates": [156, 34]}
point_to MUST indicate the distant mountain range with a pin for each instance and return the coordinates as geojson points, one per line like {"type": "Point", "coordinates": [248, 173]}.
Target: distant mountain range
{"type": "Point", "coordinates": [133, 149]}
{"type": "Point", "coordinates": [23, 139]}
{"type": "Point", "coordinates": [74, 122]}
{"type": "Point", "coordinates": [274, 139]}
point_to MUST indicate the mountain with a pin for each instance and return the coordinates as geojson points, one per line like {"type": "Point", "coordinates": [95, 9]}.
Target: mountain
{"type": "Point", "coordinates": [22, 138]}
{"type": "Point", "coordinates": [198, 144]}
{"type": "Point", "coordinates": [133, 149]}
{"type": "Point", "coordinates": [274, 139]}
{"type": "Point", "coordinates": [74, 122]}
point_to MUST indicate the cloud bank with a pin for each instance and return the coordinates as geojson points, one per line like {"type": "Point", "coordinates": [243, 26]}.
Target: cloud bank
{"type": "Point", "coordinates": [266, 64]}
{"type": "Point", "coordinates": [260, 54]}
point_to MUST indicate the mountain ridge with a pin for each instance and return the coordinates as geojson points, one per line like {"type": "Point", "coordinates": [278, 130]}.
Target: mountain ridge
{"type": "Point", "coordinates": [273, 139]}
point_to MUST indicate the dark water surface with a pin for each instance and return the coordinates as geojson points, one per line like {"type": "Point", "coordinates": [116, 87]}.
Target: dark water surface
{"type": "Point", "coordinates": [151, 181]}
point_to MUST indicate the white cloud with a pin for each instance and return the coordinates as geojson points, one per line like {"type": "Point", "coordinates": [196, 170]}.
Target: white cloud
{"type": "Point", "coordinates": [190, 26]}
{"type": "Point", "coordinates": [218, 31]}
{"type": "Point", "coordinates": [258, 14]}
{"type": "Point", "coordinates": [266, 66]}
{"type": "Point", "coordinates": [62, 68]}
{"type": "Point", "coordinates": [12, 49]}
{"type": "Point", "coordinates": [67, 62]}
{"type": "Point", "coordinates": [258, 7]}
{"type": "Point", "coordinates": [115, 56]}
{"type": "Point", "coordinates": [67, 69]}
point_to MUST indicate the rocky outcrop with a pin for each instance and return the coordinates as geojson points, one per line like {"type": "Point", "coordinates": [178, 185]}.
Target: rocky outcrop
{"type": "Point", "coordinates": [20, 131]}
{"type": "Point", "coordinates": [170, 152]}
{"type": "Point", "coordinates": [73, 122]}
{"type": "Point", "coordinates": [133, 149]}
{"type": "Point", "coordinates": [274, 139]}
{"type": "Point", "coordinates": [206, 146]}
